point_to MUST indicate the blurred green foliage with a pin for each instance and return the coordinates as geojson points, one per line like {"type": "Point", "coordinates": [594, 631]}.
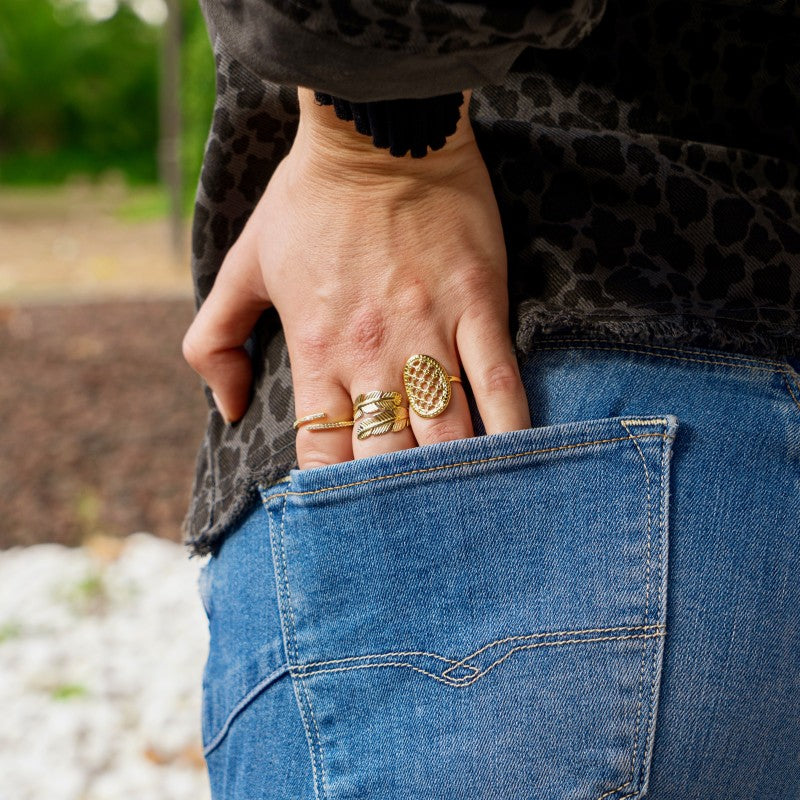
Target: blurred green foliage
{"type": "Point", "coordinates": [79, 95]}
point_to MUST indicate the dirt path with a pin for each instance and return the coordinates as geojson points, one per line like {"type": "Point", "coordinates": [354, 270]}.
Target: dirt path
{"type": "Point", "coordinates": [86, 241]}
{"type": "Point", "coordinates": [101, 418]}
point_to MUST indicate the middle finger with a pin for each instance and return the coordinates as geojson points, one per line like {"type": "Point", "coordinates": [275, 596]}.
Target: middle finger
{"type": "Point", "coordinates": [452, 422]}
{"type": "Point", "coordinates": [381, 423]}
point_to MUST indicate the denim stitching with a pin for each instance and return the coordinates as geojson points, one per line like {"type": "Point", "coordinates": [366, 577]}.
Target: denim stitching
{"type": "Point", "coordinates": [239, 707]}
{"type": "Point", "coordinates": [467, 463]}
{"type": "Point", "coordinates": [710, 353]}
{"type": "Point", "coordinates": [291, 641]}
{"type": "Point", "coordinates": [539, 636]}
{"type": "Point", "coordinates": [460, 683]}
{"type": "Point", "coordinates": [283, 669]}
{"type": "Point", "coordinates": [662, 355]}
{"type": "Point", "coordinates": [645, 422]}
{"type": "Point", "coordinates": [637, 731]}
{"type": "Point", "coordinates": [654, 662]}
{"type": "Point", "coordinates": [479, 651]}
{"type": "Point", "coordinates": [300, 669]}
{"type": "Point", "coordinates": [661, 555]}
{"type": "Point", "coordinates": [788, 379]}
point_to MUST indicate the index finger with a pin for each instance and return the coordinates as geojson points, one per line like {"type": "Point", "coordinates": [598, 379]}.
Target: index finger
{"type": "Point", "coordinates": [214, 343]}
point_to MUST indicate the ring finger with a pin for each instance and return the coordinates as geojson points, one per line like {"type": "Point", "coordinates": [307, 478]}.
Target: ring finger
{"type": "Point", "coordinates": [438, 404]}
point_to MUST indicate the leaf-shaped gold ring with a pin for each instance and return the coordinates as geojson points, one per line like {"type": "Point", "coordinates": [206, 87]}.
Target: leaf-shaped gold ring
{"type": "Point", "coordinates": [388, 420]}
{"type": "Point", "coordinates": [370, 402]}
{"type": "Point", "coordinates": [427, 385]}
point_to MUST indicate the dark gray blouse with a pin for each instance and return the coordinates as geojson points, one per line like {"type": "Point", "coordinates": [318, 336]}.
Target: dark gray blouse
{"type": "Point", "coordinates": [645, 155]}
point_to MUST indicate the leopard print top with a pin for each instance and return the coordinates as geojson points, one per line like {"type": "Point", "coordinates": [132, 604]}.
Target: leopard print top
{"type": "Point", "coordinates": [644, 153]}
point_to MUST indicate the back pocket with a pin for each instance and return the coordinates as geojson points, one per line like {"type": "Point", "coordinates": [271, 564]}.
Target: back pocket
{"type": "Point", "coordinates": [480, 618]}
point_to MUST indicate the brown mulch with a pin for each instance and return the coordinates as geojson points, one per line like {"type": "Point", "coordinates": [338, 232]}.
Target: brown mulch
{"type": "Point", "coordinates": [101, 420]}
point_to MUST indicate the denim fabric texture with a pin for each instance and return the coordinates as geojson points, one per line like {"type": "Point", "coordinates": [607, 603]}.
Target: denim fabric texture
{"type": "Point", "coordinates": [602, 606]}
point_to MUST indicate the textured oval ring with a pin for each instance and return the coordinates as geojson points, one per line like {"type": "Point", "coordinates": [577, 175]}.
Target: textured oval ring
{"type": "Point", "coordinates": [427, 385]}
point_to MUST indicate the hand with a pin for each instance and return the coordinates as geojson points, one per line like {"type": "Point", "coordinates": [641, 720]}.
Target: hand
{"type": "Point", "coordinates": [368, 258]}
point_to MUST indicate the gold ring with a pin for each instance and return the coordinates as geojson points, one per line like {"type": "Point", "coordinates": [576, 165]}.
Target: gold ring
{"type": "Point", "coordinates": [379, 412]}
{"type": "Point", "coordinates": [427, 385]}
{"type": "Point", "coordinates": [370, 402]}
{"type": "Point", "coordinates": [322, 426]}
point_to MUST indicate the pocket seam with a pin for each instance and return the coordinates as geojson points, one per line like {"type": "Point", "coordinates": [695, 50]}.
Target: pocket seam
{"type": "Point", "coordinates": [647, 686]}
{"type": "Point", "coordinates": [460, 683]}
{"type": "Point", "coordinates": [263, 684]}
{"type": "Point", "coordinates": [648, 559]}
{"type": "Point", "coordinates": [790, 378]}
{"type": "Point", "coordinates": [654, 668]}
{"type": "Point", "coordinates": [284, 598]}
{"type": "Point", "coordinates": [487, 459]}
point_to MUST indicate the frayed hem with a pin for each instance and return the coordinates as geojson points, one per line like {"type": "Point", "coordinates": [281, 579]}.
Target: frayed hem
{"type": "Point", "coordinates": [204, 538]}
{"type": "Point", "coordinates": [679, 330]}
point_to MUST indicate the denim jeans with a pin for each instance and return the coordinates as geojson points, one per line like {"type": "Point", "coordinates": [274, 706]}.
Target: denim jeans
{"type": "Point", "coordinates": [602, 606]}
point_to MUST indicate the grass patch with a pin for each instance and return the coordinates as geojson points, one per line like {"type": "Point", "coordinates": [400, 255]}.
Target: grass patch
{"type": "Point", "coordinates": [89, 595]}
{"type": "Point", "coordinates": [10, 630]}
{"type": "Point", "coordinates": [143, 204]}
{"type": "Point", "coordinates": [68, 691]}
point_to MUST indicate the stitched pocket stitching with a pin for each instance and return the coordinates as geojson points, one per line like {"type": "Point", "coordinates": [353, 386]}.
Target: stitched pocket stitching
{"type": "Point", "coordinates": [488, 459]}
{"type": "Point", "coordinates": [637, 726]}
{"type": "Point", "coordinates": [654, 658]}
{"type": "Point", "coordinates": [662, 545]}
{"type": "Point", "coordinates": [472, 655]}
{"type": "Point", "coordinates": [461, 683]}
{"type": "Point", "coordinates": [789, 379]}
{"type": "Point", "coordinates": [320, 782]}
{"type": "Point", "coordinates": [300, 670]}
{"type": "Point", "coordinates": [537, 635]}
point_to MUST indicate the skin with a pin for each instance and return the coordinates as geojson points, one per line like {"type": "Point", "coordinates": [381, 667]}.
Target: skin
{"type": "Point", "coordinates": [368, 258]}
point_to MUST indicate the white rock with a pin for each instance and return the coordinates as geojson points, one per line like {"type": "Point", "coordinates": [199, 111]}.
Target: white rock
{"type": "Point", "coordinates": [102, 667]}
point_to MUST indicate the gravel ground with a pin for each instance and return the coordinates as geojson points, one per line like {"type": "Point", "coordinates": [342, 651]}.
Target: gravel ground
{"type": "Point", "coordinates": [101, 655]}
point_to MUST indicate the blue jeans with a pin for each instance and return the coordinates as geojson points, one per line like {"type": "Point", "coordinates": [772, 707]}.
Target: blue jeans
{"type": "Point", "coordinates": [605, 605]}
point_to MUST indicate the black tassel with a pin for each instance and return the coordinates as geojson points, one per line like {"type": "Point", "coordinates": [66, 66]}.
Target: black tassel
{"type": "Point", "coordinates": [404, 124]}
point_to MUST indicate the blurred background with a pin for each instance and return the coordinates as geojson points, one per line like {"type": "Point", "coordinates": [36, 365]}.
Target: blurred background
{"type": "Point", "coordinates": [104, 110]}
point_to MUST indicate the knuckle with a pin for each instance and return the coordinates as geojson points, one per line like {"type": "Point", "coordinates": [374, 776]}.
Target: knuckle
{"type": "Point", "coordinates": [415, 296]}
{"type": "Point", "coordinates": [315, 343]}
{"type": "Point", "coordinates": [500, 378]}
{"type": "Point", "coordinates": [309, 456]}
{"type": "Point", "coordinates": [443, 430]}
{"type": "Point", "coordinates": [368, 330]}
{"type": "Point", "coordinates": [476, 283]}
{"type": "Point", "coordinates": [193, 352]}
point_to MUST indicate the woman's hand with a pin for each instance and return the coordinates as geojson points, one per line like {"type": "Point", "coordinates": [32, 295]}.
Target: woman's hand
{"type": "Point", "coordinates": [368, 258]}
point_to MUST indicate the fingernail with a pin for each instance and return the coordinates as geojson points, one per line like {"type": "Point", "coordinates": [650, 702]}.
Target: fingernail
{"type": "Point", "coordinates": [221, 409]}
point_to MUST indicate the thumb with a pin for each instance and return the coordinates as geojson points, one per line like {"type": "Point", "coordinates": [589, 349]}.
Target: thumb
{"type": "Point", "coordinates": [214, 343]}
